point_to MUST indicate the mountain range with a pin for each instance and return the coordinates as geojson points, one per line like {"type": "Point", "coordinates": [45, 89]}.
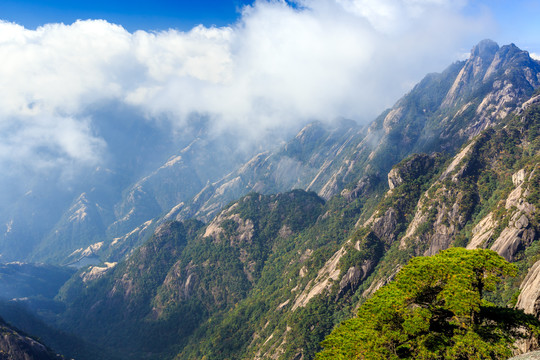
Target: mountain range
{"type": "Point", "coordinates": [216, 253]}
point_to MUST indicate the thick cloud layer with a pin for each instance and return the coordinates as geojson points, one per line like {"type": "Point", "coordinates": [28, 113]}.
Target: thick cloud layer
{"type": "Point", "coordinates": [277, 67]}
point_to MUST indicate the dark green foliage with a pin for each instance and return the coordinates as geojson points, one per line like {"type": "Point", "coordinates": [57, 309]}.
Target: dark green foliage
{"type": "Point", "coordinates": [417, 172]}
{"type": "Point", "coordinates": [267, 305]}
{"type": "Point", "coordinates": [309, 326]}
{"type": "Point", "coordinates": [370, 248]}
{"type": "Point", "coordinates": [435, 309]}
{"type": "Point", "coordinates": [116, 311]}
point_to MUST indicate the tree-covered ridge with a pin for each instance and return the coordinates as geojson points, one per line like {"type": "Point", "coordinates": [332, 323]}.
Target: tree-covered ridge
{"type": "Point", "coordinates": [271, 275]}
{"type": "Point", "coordinates": [474, 200]}
{"type": "Point", "coordinates": [118, 305]}
{"type": "Point", "coordinates": [439, 114]}
{"type": "Point", "coordinates": [435, 309]}
{"type": "Point", "coordinates": [262, 324]}
{"type": "Point", "coordinates": [186, 276]}
{"type": "Point", "coordinates": [496, 179]}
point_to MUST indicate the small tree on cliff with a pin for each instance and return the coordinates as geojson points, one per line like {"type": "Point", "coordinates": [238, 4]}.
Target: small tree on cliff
{"type": "Point", "coordinates": [435, 310]}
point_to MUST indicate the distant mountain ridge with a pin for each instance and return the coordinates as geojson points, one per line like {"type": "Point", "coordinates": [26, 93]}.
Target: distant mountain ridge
{"type": "Point", "coordinates": [439, 114]}
{"type": "Point", "coordinates": [454, 163]}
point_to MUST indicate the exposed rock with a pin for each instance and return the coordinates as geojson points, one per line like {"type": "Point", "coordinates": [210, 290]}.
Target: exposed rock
{"type": "Point", "coordinates": [354, 276]}
{"type": "Point", "coordinates": [79, 211]}
{"type": "Point", "coordinates": [534, 355]}
{"type": "Point", "coordinates": [384, 227]}
{"type": "Point", "coordinates": [482, 232]}
{"type": "Point", "coordinates": [283, 304]}
{"type": "Point", "coordinates": [243, 232]}
{"type": "Point", "coordinates": [444, 228]}
{"type": "Point", "coordinates": [331, 187]}
{"type": "Point", "coordinates": [519, 177]}
{"type": "Point", "coordinates": [447, 223]}
{"type": "Point", "coordinates": [96, 272]}
{"type": "Point", "coordinates": [16, 346]}
{"type": "Point", "coordinates": [350, 280]}
{"type": "Point", "coordinates": [419, 218]}
{"type": "Point", "coordinates": [377, 284]}
{"type": "Point", "coordinates": [306, 255]}
{"type": "Point", "coordinates": [444, 231]}
{"type": "Point", "coordinates": [456, 161]}
{"type": "Point", "coordinates": [527, 104]}
{"type": "Point", "coordinates": [181, 281]}
{"type": "Point", "coordinates": [529, 302]}
{"type": "Point", "coordinates": [393, 117]}
{"type": "Point", "coordinates": [364, 185]}
{"type": "Point", "coordinates": [124, 245]}
{"type": "Point", "coordinates": [518, 234]}
{"type": "Point", "coordinates": [529, 297]}
{"type": "Point", "coordinates": [303, 271]}
{"type": "Point", "coordinates": [325, 277]}
{"type": "Point", "coordinates": [285, 231]}
{"type": "Point", "coordinates": [394, 178]}
{"type": "Point", "coordinates": [514, 237]}
{"type": "Point", "coordinates": [91, 250]}
{"type": "Point", "coordinates": [485, 68]}
{"type": "Point", "coordinates": [474, 70]}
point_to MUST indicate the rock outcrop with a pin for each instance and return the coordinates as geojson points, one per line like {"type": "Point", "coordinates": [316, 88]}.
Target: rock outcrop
{"type": "Point", "coordinates": [517, 230]}
{"type": "Point", "coordinates": [529, 296]}
{"type": "Point", "coordinates": [15, 345]}
{"type": "Point", "coordinates": [519, 233]}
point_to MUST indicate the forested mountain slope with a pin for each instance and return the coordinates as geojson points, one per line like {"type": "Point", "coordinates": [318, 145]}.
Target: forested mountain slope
{"type": "Point", "coordinates": [439, 114]}
{"type": "Point", "coordinates": [453, 163]}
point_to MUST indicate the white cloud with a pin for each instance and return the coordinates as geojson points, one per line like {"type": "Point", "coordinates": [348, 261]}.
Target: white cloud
{"type": "Point", "coordinates": [535, 56]}
{"type": "Point", "coordinates": [276, 67]}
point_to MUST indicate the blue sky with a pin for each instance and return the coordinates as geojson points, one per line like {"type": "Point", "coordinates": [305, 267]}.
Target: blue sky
{"type": "Point", "coordinates": [133, 15]}
{"type": "Point", "coordinates": [514, 20]}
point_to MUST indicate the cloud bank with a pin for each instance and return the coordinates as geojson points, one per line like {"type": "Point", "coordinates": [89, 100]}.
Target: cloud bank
{"type": "Point", "coordinates": [278, 66]}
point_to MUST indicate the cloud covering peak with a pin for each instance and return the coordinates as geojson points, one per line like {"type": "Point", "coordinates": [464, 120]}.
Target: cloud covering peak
{"type": "Point", "coordinates": [278, 66]}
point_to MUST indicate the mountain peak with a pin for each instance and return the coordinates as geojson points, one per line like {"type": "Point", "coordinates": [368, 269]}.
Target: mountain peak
{"type": "Point", "coordinates": [485, 49]}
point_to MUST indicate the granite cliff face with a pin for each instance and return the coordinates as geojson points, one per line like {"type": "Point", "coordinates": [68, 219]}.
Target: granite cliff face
{"type": "Point", "coordinates": [480, 179]}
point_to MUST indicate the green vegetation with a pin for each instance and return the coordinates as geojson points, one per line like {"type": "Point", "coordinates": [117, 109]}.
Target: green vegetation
{"type": "Point", "coordinates": [435, 309]}
{"type": "Point", "coordinates": [264, 278]}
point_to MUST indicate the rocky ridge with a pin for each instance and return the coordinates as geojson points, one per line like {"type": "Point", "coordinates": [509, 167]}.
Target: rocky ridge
{"type": "Point", "coordinates": [279, 269]}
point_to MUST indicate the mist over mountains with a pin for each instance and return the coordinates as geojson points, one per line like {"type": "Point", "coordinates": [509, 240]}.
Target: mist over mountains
{"type": "Point", "coordinates": [188, 242]}
{"type": "Point", "coordinates": [90, 108]}
{"type": "Point", "coordinates": [90, 94]}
